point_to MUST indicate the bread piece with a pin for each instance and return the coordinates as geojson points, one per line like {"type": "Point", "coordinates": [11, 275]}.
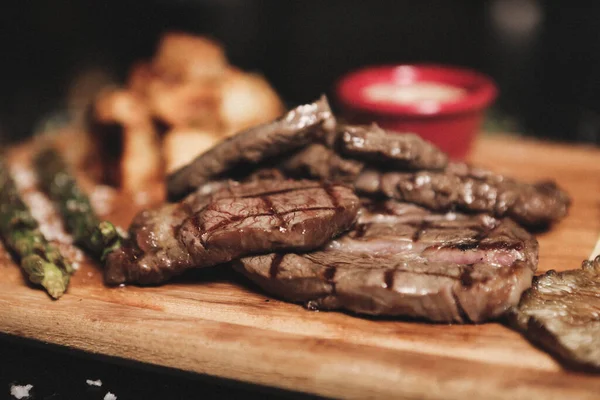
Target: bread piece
{"type": "Point", "coordinates": [182, 145]}
{"type": "Point", "coordinates": [181, 57]}
{"type": "Point", "coordinates": [187, 93]}
{"type": "Point", "coordinates": [125, 141]}
{"type": "Point", "coordinates": [246, 100]}
{"type": "Point", "coordinates": [183, 105]}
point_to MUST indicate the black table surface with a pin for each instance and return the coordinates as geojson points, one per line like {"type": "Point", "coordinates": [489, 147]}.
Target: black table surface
{"type": "Point", "coordinates": [58, 373]}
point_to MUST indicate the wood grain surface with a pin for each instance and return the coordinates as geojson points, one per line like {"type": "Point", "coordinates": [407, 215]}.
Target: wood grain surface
{"type": "Point", "coordinates": [216, 323]}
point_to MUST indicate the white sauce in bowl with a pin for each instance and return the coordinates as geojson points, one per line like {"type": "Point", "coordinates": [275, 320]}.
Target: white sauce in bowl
{"type": "Point", "coordinates": [418, 92]}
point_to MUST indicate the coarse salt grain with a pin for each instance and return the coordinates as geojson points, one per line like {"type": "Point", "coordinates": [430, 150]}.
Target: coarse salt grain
{"type": "Point", "coordinates": [110, 396]}
{"type": "Point", "coordinates": [102, 198]}
{"type": "Point", "coordinates": [78, 255]}
{"type": "Point", "coordinates": [43, 211]}
{"type": "Point", "coordinates": [68, 250]}
{"type": "Point", "coordinates": [122, 232]}
{"type": "Point", "coordinates": [94, 382]}
{"type": "Point", "coordinates": [20, 392]}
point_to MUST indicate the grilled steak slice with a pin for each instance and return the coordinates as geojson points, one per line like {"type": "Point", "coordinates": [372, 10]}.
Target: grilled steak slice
{"type": "Point", "coordinates": [561, 314]}
{"type": "Point", "coordinates": [295, 129]}
{"type": "Point", "coordinates": [470, 189]}
{"type": "Point", "coordinates": [443, 267]}
{"type": "Point", "coordinates": [154, 253]}
{"type": "Point", "coordinates": [459, 186]}
{"type": "Point", "coordinates": [240, 219]}
{"type": "Point", "coordinates": [319, 162]}
{"type": "Point", "coordinates": [343, 156]}
{"type": "Point", "coordinates": [392, 150]}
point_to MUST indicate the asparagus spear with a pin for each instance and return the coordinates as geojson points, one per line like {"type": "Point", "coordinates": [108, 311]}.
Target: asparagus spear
{"type": "Point", "coordinates": [106, 239]}
{"type": "Point", "coordinates": [42, 262]}
{"type": "Point", "coordinates": [74, 206]}
{"type": "Point", "coordinates": [98, 238]}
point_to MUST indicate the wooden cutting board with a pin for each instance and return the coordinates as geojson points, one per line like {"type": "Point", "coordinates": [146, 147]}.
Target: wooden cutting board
{"type": "Point", "coordinates": [215, 323]}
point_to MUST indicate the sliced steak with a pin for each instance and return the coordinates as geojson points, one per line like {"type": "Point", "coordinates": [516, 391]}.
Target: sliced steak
{"type": "Point", "coordinates": [458, 186]}
{"type": "Point", "coordinates": [154, 253]}
{"type": "Point", "coordinates": [443, 267]}
{"type": "Point", "coordinates": [390, 149]}
{"type": "Point", "coordinates": [470, 189]}
{"type": "Point", "coordinates": [295, 129]}
{"type": "Point", "coordinates": [240, 219]}
{"type": "Point", "coordinates": [561, 314]}
{"type": "Point", "coordinates": [319, 162]}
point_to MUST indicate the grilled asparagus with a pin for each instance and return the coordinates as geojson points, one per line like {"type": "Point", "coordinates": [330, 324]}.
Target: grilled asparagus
{"type": "Point", "coordinates": [97, 238]}
{"type": "Point", "coordinates": [41, 261]}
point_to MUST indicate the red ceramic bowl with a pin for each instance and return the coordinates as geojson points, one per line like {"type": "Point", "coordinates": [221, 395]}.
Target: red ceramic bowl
{"type": "Point", "coordinates": [451, 124]}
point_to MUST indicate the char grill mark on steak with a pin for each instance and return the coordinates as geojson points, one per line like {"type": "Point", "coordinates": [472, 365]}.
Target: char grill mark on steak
{"type": "Point", "coordinates": [470, 189]}
{"type": "Point", "coordinates": [460, 240]}
{"type": "Point", "coordinates": [360, 230]}
{"type": "Point", "coordinates": [462, 313]}
{"type": "Point", "coordinates": [392, 150]}
{"type": "Point", "coordinates": [379, 269]}
{"type": "Point", "coordinates": [269, 206]}
{"type": "Point", "coordinates": [422, 227]}
{"type": "Point", "coordinates": [278, 190]}
{"type": "Point", "coordinates": [293, 130]}
{"type": "Point", "coordinates": [275, 263]}
{"type": "Point", "coordinates": [238, 220]}
{"type": "Point", "coordinates": [561, 314]}
{"type": "Point", "coordinates": [282, 223]}
{"type": "Point", "coordinates": [388, 279]}
{"type": "Point", "coordinates": [466, 278]}
{"type": "Point", "coordinates": [329, 276]}
{"type": "Point", "coordinates": [332, 195]}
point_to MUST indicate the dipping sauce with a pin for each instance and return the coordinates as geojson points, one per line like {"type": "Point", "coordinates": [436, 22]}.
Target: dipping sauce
{"type": "Point", "coordinates": [417, 92]}
{"type": "Point", "coordinates": [443, 104]}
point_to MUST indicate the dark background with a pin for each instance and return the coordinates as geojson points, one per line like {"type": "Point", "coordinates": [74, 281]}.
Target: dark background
{"type": "Point", "coordinates": [544, 55]}
{"type": "Point", "coordinates": [58, 373]}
